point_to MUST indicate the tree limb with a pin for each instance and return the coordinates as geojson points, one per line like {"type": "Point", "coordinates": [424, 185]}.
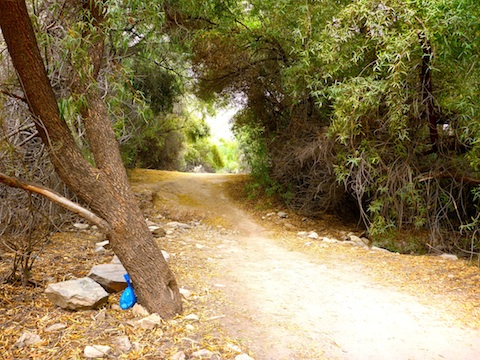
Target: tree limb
{"type": "Point", "coordinates": [56, 198]}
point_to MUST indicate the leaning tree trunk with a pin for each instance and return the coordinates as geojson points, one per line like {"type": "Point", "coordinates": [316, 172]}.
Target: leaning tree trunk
{"type": "Point", "coordinates": [104, 187]}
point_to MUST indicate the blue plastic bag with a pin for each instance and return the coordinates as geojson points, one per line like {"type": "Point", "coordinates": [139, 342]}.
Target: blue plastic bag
{"type": "Point", "coordinates": [128, 298]}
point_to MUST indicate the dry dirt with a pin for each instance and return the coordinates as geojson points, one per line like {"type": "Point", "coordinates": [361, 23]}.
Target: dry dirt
{"type": "Point", "coordinates": [286, 297]}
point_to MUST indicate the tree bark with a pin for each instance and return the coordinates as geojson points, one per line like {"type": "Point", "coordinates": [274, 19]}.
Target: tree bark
{"type": "Point", "coordinates": [105, 187]}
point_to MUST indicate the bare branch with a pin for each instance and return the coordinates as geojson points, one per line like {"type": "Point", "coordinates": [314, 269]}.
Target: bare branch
{"type": "Point", "coordinates": [55, 197]}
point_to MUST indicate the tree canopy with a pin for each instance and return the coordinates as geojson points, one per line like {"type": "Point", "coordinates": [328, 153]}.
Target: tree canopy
{"type": "Point", "coordinates": [365, 105]}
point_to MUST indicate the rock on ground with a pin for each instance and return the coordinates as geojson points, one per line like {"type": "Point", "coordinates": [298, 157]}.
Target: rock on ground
{"type": "Point", "coordinates": [79, 294]}
{"type": "Point", "coordinates": [96, 351]}
{"type": "Point", "coordinates": [110, 276]}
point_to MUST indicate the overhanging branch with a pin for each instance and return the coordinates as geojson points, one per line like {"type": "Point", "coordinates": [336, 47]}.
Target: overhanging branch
{"type": "Point", "coordinates": [56, 198]}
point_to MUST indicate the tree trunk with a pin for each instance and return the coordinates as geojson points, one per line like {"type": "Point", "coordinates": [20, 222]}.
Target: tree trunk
{"type": "Point", "coordinates": [105, 187]}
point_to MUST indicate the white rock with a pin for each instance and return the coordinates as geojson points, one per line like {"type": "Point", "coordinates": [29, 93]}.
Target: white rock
{"type": "Point", "coordinates": [187, 294]}
{"type": "Point", "coordinates": [102, 246]}
{"type": "Point", "coordinates": [449, 257]}
{"type": "Point", "coordinates": [81, 226]}
{"type": "Point", "coordinates": [78, 294]}
{"type": "Point", "coordinates": [176, 224]}
{"type": "Point", "coordinates": [27, 338]}
{"type": "Point", "coordinates": [166, 255]}
{"type": "Point", "coordinates": [192, 317]}
{"type": "Point", "coordinates": [178, 356]}
{"type": "Point", "coordinates": [358, 241]}
{"type": "Point", "coordinates": [234, 348]}
{"type": "Point", "coordinates": [102, 243]}
{"type": "Point", "coordinates": [96, 351]}
{"type": "Point", "coordinates": [203, 353]}
{"type": "Point", "coordinates": [329, 241]}
{"type": "Point", "coordinates": [123, 344]}
{"type": "Point", "coordinates": [150, 223]}
{"type": "Point", "coordinates": [243, 357]}
{"type": "Point", "coordinates": [302, 233]}
{"type": "Point", "coordinates": [55, 327]}
{"type": "Point", "coordinates": [115, 260]}
{"type": "Point", "coordinates": [376, 248]}
{"type": "Point", "coordinates": [312, 235]}
{"type": "Point", "coordinates": [282, 214]}
{"type": "Point", "coordinates": [110, 276]}
{"type": "Point", "coordinates": [150, 322]}
{"type": "Point", "coordinates": [139, 310]}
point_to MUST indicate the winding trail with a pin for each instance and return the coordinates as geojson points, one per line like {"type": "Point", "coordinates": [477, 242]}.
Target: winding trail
{"type": "Point", "coordinates": [292, 305]}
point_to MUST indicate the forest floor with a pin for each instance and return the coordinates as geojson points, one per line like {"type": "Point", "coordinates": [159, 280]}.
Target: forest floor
{"type": "Point", "coordinates": [258, 288]}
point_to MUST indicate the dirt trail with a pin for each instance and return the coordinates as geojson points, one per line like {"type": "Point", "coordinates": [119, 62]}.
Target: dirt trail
{"type": "Point", "coordinates": [291, 305]}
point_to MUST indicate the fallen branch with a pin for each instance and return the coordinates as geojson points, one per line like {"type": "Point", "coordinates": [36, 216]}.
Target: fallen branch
{"type": "Point", "coordinates": [56, 198]}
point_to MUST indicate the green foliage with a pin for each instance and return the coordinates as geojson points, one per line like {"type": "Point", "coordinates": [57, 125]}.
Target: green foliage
{"type": "Point", "coordinates": [342, 95]}
{"type": "Point", "coordinates": [200, 153]}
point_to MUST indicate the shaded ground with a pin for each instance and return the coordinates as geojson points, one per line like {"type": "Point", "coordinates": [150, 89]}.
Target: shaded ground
{"type": "Point", "coordinates": [257, 287]}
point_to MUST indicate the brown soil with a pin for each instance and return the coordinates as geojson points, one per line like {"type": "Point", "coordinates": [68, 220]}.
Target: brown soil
{"type": "Point", "coordinates": [257, 288]}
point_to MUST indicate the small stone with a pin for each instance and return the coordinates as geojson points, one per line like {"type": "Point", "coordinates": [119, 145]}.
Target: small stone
{"type": "Point", "coordinates": [96, 351]}
{"type": "Point", "coordinates": [139, 310]}
{"type": "Point", "coordinates": [376, 248]}
{"type": "Point", "coordinates": [81, 226]}
{"type": "Point", "coordinates": [187, 294]}
{"type": "Point", "coordinates": [234, 348]}
{"type": "Point", "coordinates": [166, 255]}
{"type": "Point", "coordinates": [178, 356]}
{"type": "Point", "coordinates": [192, 317]}
{"type": "Point", "coordinates": [176, 224]}
{"type": "Point", "coordinates": [150, 322]}
{"type": "Point", "coordinates": [115, 260]}
{"type": "Point", "coordinates": [150, 223]}
{"type": "Point", "coordinates": [449, 256]}
{"type": "Point", "coordinates": [203, 353]}
{"type": "Point", "coordinates": [329, 240]}
{"type": "Point", "coordinates": [123, 344]}
{"type": "Point", "coordinates": [282, 215]}
{"type": "Point", "coordinates": [357, 240]}
{"type": "Point", "coordinates": [312, 235]}
{"type": "Point", "coordinates": [190, 327]}
{"type": "Point", "coordinates": [55, 327]}
{"type": "Point", "coordinates": [102, 246]}
{"type": "Point", "coordinates": [27, 338]}
{"type": "Point", "coordinates": [302, 233]}
{"type": "Point", "coordinates": [157, 231]}
{"type": "Point", "coordinates": [243, 357]}
{"type": "Point", "coordinates": [288, 226]}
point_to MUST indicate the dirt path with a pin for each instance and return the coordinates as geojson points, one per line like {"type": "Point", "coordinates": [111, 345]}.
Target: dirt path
{"type": "Point", "coordinates": [288, 304]}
